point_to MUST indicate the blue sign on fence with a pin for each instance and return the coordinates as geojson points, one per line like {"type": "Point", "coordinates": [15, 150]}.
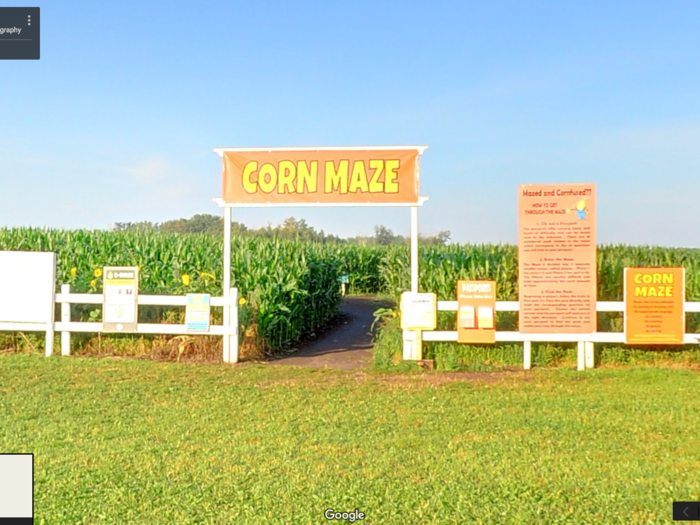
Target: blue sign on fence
{"type": "Point", "coordinates": [197, 312]}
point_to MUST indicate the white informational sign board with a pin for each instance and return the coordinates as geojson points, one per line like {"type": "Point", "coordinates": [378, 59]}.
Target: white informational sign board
{"type": "Point", "coordinates": [120, 308]}
{"type": "Point", "coordinates": [197, 312]}
{"type": "Point", "coordinates": [27, 287]}
{"type": "Point", "coordinates": [418, 311]}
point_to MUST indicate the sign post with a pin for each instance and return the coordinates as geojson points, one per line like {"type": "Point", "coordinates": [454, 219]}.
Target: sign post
{"type": "Point", "coordinates": [418, 313]}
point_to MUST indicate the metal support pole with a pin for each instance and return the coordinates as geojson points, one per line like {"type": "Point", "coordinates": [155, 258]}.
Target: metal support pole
{"type": "Point", "coordinates": [65, 318]}
{"type": "Point", "coordinates": [233, 338]}
{"type": "Point", "coordinates": [226, 279]}
{"type": "Point", "coordinates": [527, 355]}
{"type": "Point", "coordinates": [590, 354]}
{"type": "Point", "coordinates": [49, 339]}
{"type": "Point", "coordinates": [414, 249]}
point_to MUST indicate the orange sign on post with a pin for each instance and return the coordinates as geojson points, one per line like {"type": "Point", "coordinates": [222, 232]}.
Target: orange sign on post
{"type": "Point", "coordinates": [557, 258]}
{"type": "Point", "coordinates": [476, 312]}
{"type": "Point", "coordinates": [654, 306]}
{"type": "Point", "coordinates": [327, 176]}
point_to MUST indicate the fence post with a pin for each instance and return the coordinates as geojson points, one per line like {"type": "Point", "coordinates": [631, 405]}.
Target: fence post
{"type": "Point", "coordinates": [581, 355]}
{"type": "Point", "coordinates": [233, 323]}
{"type": "Point", "coordinates": [527, 355]}
{"type": "Point", "coordinates": [590, 354]}
{"type": "Point", "coordinates": [227, 323]}
{"type": "Point", "coordinates": [65, 318]}
{"type": "Point", "coordinates": [409, 340]}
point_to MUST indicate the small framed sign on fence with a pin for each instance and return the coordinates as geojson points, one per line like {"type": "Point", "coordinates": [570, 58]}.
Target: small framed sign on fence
{"type": "Point", "coordinates": [197, 312]}
{"type": "Point", "coordinates": [654, 306]}
{"type": "Point", "coordinates": [476, 312]}
{"type": "Point", "coordinates": [418, 311]}
{"type": "Point", "coordinates": [120, 309]}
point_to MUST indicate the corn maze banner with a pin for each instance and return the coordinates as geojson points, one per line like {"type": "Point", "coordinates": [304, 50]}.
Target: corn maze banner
{"type": "Point", "coordinates": [323, 176]}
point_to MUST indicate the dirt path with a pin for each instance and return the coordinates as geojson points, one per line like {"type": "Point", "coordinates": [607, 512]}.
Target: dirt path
{"type": "Point", "coordinates": [345, 346]}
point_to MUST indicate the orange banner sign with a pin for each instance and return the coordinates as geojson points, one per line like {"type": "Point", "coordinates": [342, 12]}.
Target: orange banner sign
{"type": "Point", "coordinates": [341, 176]}
{"type": "Point", "coordinates": [654, 301]}
{"type": "Point", "coordinates": [476, 312]}
{"type": "Point", "coordinates": [557, 258]}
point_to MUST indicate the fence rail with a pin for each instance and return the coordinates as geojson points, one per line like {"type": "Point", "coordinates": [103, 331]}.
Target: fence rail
{"type": "Point", "coordinates": [586, 349]}
{"type": "Point", "coordinates": [229, 328]}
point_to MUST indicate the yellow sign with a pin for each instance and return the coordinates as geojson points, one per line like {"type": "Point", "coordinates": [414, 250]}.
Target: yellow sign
{"type": "Point", "coordinates": [654, 306]}
{"type": "Point", "coordinates": [476, 312]}
{"type": "Point", "coordinates": [418, 311]}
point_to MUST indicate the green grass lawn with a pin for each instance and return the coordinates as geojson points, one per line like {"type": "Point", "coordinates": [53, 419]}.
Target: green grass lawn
{"type": "Point", "coordinates": [131, 442]}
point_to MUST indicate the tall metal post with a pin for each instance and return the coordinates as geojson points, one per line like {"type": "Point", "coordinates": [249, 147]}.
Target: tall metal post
{"type": "Point", "coordinates": [417, 343]}
{"type": "Point", "coordinates": [414, 249]}
{"type": "Point", "coordinates": [227, 280]}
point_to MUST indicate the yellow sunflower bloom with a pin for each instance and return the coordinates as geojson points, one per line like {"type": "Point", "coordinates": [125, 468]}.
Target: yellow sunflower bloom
{"type": "Point", "coordinates": [93, 283]}
{"type": "Point", "coordinates": [73, 272]}
{"type": "Point", "coordinates": [207, 275]}
{"type": "Point", "coordinates": [185, 279]}
{"type": "Point", "coordinates": [242, 301]}
{"type": "Point", "coordinates": [98, 272]}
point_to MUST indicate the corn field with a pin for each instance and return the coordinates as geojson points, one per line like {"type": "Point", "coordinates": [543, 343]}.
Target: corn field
{"type": "Point", "coordinates": [292, 288]}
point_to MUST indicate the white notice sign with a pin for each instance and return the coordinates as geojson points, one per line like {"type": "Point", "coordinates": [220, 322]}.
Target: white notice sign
{"type": "Point", "coordinates": [120, 307]}
{"type": "Point", "coordinates": [418, 311]}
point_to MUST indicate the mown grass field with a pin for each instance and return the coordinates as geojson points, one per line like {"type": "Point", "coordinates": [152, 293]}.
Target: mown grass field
{"type": "Point", "coordinates": [141, 442]}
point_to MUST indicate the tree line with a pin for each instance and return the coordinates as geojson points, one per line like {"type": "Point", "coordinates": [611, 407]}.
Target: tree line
{"type": "Point", "coordinates": [291, 229]}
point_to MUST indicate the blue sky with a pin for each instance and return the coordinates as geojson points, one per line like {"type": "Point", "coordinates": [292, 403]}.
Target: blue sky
{"type": "Point", "coordinates": [118, 119]}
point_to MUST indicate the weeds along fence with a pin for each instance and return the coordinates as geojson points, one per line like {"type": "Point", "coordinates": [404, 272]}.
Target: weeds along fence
{"type": "Point", "coordinates": [291, 288]}
{"type": "Point", "coordinates": [585, 342]}
{"type": "Point", "coordinates": [287, 288]}
{"type": "Point", "coordinates": [229, 328]}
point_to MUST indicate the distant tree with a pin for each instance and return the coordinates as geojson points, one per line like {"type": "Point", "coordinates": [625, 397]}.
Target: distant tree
{"type": "Point", "coordinates": [143, 226]}
{"type": "Point", "coordinates": [383, 236]}
{"type": "Point", "coordinates": [201, 223]}
{"type": "Point", "coordinates": [441, 239]}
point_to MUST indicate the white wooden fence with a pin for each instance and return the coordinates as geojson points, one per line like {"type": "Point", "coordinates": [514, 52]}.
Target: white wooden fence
{"type": "Point", "coordinates": [586, 349]}
{"type": "Point", "coordinates": [229, 328]}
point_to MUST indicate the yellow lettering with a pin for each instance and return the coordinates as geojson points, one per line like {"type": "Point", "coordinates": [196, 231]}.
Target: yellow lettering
{"type": "Point", "coordinates": [337, 180]}
{"type": "Point", "coordinates": [307, 180]}
{"type": "Point", "coordinates": [288, 172]}
{"type": "Point", "coordinates": [656, 278]}
{"type": "Point", "coordinates": [249, 170]}
{"type": "Point", "coordinates": [390, 184]}
{"type": "Point", "coordinates": [358, 179]}
{"type": "Point", "coordinates": [646, 278]}
{"type": "Point", "coordinates": [267, 178]}
{"type": "Point", "coordinates": [638, 278]}
{"type": "Point", "coordinates": [667, 278]}
{"type": "Point", "coordinates": [640, 291]}
{"type": "Point", "coordinates": [651, 291]}
{"type": "Point", "coordinates": [374, 185]}
{"type": "Point", "coordinates": [667, 291]}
